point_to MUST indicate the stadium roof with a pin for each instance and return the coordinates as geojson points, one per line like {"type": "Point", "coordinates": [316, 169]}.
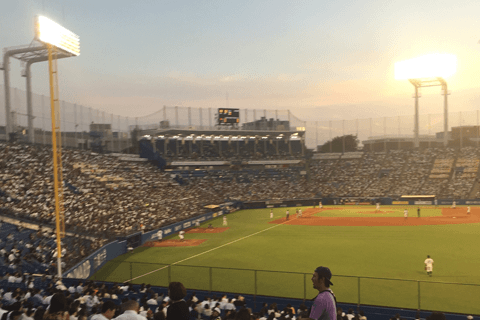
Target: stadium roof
{"type": "Point", "coordinates": [232, 132]}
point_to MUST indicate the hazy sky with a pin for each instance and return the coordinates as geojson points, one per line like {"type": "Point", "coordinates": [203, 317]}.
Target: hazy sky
{"type": "Point", "coordinates": [336, 57]}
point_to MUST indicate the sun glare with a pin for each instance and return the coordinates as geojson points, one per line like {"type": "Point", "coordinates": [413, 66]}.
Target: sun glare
{"type": "Point", "coordinates": [428, 66]}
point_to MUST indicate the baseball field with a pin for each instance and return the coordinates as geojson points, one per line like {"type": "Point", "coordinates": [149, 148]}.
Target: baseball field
{"type": "Point", "coordinates": [376, 256]}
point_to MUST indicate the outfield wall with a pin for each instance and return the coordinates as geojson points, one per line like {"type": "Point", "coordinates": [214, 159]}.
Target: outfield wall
{"type": "Point", "coordinates": [96, 260]}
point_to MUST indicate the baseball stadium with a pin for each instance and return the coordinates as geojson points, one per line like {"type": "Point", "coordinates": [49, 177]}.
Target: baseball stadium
{"type": "Point", "coordinates": [240, 205]}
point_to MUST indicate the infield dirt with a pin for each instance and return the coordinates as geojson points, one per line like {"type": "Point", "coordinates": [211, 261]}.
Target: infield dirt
{"type": "Point", "coordinates": [449, 216]}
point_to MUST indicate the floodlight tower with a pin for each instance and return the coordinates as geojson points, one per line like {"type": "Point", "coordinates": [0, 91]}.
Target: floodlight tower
{"type": "Point", "coordinates": [428, 71]}
{"type": "Point", "coordinates": [58, 40]}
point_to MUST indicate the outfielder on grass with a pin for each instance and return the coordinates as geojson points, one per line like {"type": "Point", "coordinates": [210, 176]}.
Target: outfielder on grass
{"type": "Point", "coordinates": [429, 265]}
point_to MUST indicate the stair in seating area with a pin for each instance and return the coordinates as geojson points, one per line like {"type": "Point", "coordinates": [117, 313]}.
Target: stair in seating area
{"type": "Point", "coordinates": [475, 187]}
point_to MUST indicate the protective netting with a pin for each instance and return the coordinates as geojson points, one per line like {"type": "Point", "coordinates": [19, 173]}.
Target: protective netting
{"type": "Point", "coordinates": [76, 121]}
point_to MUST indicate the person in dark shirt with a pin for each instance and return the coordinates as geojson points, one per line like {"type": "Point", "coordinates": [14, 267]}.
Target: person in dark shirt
{"type": "Point", "coordinates": [178, 309]}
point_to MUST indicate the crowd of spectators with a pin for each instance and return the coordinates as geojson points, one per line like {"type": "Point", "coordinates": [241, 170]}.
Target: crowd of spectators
{"type": "Point", "coordinates": [77, 300]}
{"type": "Point", "coordinates": [102, 195]}
{"type": "Point", "coordinates": [46, 298]}
{"type": "Point", "coordinates": [446, 173]}
{"type": "Point", "coordinates": [105, 196]}
{"type": "Point", "coordinates": [391, 171]}
{"type": "Point", "coordinates": [24, 249]}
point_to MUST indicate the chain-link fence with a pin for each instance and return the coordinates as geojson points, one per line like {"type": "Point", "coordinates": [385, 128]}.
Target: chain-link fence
{"type": "Point", "coordinates": [399, 293]}
{"type": "Point", "coordinates": [319, 132]}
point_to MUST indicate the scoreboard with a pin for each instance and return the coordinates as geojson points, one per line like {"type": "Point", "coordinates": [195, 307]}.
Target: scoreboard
{"type": "Point", "coordinates": [228, 117]}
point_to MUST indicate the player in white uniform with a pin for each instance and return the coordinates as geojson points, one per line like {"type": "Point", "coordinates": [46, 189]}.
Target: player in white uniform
{"type": "Point", "coordinates": [405, 213]}
{"type": "Point", "coordinates": [225, 221]}
{"type": "Point", "coordinates": [454, 205]}
{"type": "Point", "coordinates": [271, 213]}
{"type": "Point", "coordinates": [181, 235]}
{"type": "Point", "coordinates": [320, 205]}
{"type": "Point", "coordinates": [300, 213]}
{"type": "Point", "coordinates": [429, 265]}
{"type": "Point", "coordinates": [378, 206]}
{"type": "Point", "coordinates": [468, 210]}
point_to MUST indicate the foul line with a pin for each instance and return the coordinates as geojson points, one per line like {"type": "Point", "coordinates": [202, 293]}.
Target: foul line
{"type": "Point", "coordinates": [223, 245]}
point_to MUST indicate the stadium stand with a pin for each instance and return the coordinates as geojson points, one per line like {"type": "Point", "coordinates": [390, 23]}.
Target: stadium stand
{"type": "Point", "coordinates": [122, 194]}
{"type": "Point", "coordinates": [32, 296]}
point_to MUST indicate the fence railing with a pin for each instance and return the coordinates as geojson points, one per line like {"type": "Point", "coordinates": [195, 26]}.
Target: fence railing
{"type": "Point", "coordinates": [399, 293]}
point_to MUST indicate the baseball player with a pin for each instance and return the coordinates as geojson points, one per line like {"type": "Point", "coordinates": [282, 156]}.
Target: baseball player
{"type": "Point", "coordinates": [300, 213]}
{"type": "Point", "coordinates": [454, 205]}
{"type": "Point", "coordinates": [181, 235]}
{"type": "Point", "coordinates": [271, 213]}
{"type": "Point", "coordinates": [320, 205]}
{"type": "Point", "coordinates": [378, 206]}
{"type": "Point", "coordinates": [159, 234]}
{"type": "Point", "coordinates": [288, 214]}
{"type": "Point", "coordinates": [405, 213]}
{"type": "Point", "coordinates": [224, 221]}
{"type": "Point", "coordinates": [468, 210]}
{"type": "Point", "coordinates": [429, 265]}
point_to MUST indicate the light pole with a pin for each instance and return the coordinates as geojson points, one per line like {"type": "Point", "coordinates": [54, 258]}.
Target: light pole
{"type": "Point", "coordinates": [428, 71]}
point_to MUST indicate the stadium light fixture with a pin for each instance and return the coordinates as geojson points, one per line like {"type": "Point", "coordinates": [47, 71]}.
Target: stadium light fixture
{"type": "Point", "coordinates": [428, 71]}
{"type": "Point", "coordinates": [50, 32]}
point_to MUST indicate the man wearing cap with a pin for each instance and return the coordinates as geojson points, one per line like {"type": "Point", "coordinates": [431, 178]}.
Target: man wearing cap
{"type": "Point", "coordinates": [324, 305]}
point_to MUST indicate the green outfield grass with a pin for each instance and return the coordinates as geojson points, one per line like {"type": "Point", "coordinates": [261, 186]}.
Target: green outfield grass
{"type": "Point", "coordinates": [286, 255]}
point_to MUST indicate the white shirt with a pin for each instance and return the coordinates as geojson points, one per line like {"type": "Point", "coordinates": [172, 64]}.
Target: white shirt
{"type": "Point", "coordinates": [130, 315]}
{"type": "Point", "coordinates": [47, 299]}
{"type": "Point", "coordinates": [429, 262]}
{"type": "Point", "coordinates": [98, 316]}
{"type": "Point", "coordinates": [230, 306]}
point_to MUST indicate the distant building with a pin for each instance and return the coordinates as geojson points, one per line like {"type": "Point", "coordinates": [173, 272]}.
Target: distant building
{"type": "Point", "coordinates": [267, 124]}
{"type": "Point", "coordinates": [465, 132]}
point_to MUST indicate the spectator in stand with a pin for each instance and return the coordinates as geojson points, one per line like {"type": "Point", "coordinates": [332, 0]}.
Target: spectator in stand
{"type": "Point", "coordinates": [108, 311]}
{"type": "Point", "coordinates": [362, 315]}
{"type": "Point", "coordinates": [178, 309]}
{"type": "Point", "coordinates": [264, 309]}
{"type": "Point", "coordinates": [57, 309]}
{"type": "Point", "coordinates": [350, 314]}
{"type": "Point", "coordinates": [243, 314]}
{"type": "Point", "coordinates": [131, 309]}
{"type": "Point", "coordinates": [324, 305]}
{"type": "Point", "coordinates": [240, 301]}
{"type": "Point", "coordinates": [397, 317]}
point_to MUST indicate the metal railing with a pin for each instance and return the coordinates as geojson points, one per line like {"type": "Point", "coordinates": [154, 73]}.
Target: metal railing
{"type": "Point", "coordinates": [398, 293]}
